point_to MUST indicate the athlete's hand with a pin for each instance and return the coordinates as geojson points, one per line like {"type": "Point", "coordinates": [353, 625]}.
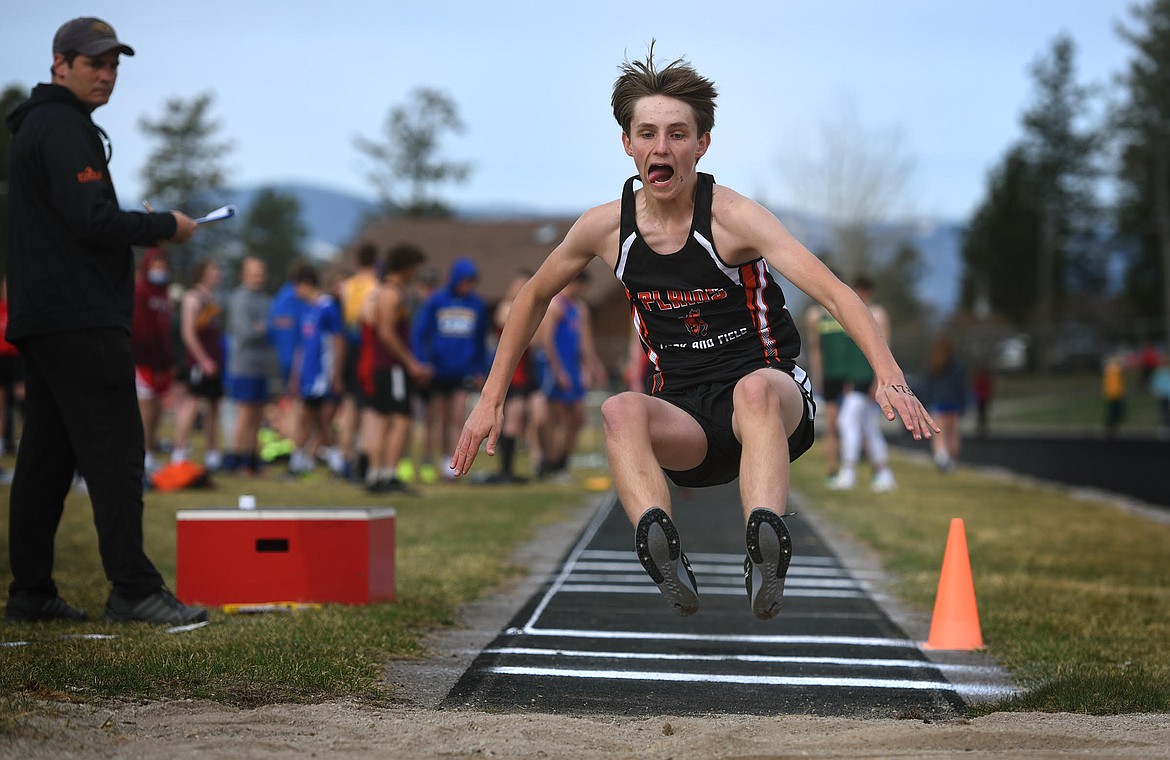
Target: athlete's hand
{"type": "Point", "coordinates": [896, 399]}
{"type": "Point", "coordinates": [422, 373]}
{"type": "Point", "coordinates": [485, 421]}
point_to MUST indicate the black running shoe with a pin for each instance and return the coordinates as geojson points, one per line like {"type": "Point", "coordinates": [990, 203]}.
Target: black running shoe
{"type": "Point", "coordinates": [31, 609]}
{"type": "Point", "coordinates": [391, 485]}
{"type": "Point", "coordinates": [769, 550]}
{"type": "Point", "coordinates": [658, 548]}
{"type": "Point", "coordinates": [160, 608]}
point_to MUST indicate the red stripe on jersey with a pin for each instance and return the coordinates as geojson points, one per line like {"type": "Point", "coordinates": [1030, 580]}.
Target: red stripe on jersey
{"type": "Point", "coordinates": [644, 339]}
{"type": "Point", "coordinates": [755, 285]}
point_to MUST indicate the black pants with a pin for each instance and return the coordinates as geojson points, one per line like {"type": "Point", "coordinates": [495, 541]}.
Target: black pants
{"type": "Point", "coordinates": [81, 412]}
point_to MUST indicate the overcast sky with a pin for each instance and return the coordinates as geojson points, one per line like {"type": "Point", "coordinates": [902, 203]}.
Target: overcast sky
{"type": "Point", "coordinates": [295, 82]}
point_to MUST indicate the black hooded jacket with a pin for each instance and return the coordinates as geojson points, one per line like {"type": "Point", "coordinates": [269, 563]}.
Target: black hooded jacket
{"type": "Point", "coordinates": [70, 265]}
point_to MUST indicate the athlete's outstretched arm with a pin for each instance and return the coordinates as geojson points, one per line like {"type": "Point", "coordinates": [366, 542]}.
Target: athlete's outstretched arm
{"type": "Point", "coordinates": [749, 231]}
{"type": "Point", "coordinates": [562, 265]}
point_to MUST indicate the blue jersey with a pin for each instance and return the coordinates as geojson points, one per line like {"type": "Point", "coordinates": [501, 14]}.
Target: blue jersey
{"type": "Point", "coordinates": [319, 324]}
{"type": "Point", "coordinates": [450, 332]}
{"type": "Point", "coordinates": [284, 326]}
{"type": "Point", "coordinates": [567, 344]}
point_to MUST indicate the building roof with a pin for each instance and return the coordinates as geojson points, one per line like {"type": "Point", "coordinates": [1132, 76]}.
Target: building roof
{"type": "Point", "coordinates": [500, 248]}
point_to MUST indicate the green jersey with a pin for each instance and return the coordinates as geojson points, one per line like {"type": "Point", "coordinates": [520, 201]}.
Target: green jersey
{"type": "Point", "coordinates": [840, 356]}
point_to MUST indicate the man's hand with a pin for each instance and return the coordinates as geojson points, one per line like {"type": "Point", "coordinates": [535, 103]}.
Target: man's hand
{"type": "Point", "coordinates": [184, 227]}
{"type": "Point", "coordinates": [485, 421]}
{"type": "Point", "coordinates": [897, 398]}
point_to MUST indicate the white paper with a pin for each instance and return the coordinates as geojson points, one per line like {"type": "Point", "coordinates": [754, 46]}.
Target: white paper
{"type": "Point", "coordinates": [223, 212]}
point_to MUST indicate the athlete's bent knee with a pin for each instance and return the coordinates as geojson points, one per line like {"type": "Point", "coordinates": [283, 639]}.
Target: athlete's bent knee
{"type": "Point", "coordinates": [622, 410]}
{"type": "Point", "coordinates": [755, 394]}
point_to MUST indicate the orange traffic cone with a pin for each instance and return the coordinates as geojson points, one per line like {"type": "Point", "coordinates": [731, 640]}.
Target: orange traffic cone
{"type": "Point", "coordinates": [955, 624]}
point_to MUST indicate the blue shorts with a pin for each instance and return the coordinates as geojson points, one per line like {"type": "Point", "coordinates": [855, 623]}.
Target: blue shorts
{"type": "Point", "coordinates": [248, 389]}
{"type": "Point", "coordinates": [554, 392]}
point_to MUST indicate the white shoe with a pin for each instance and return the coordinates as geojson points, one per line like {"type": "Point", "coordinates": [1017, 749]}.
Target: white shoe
{"type": "Point", "coordinates": [335, 460]}
{"type": "Point", "coordinates": [843, 481]}
{"type": "Point", "coordinates": [299, 463]}
{"type": "Point", "coordinates": [883, 481]}
{"type": "Point", "coordinates": [180, 454]}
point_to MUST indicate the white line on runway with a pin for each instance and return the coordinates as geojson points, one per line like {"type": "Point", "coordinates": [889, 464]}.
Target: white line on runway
{"type": "Point", "coordinates": [845, 683]}
{"type": "Point", "coordinates": [731, 567]}
{"type": "Point", "coordinates": [854, 662]}
{"type": "Point", "coordinates": [737, 638]}
{"type": "Point", "coordinates": [601, 588]}
{"type": "Point", "coordinates": [810, 560]}
{"type": "Point", "coordinates": [641, 579]}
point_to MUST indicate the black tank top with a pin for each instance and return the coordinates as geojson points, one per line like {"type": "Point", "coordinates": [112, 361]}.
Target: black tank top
{"type": "Point", "coordinates": [700, 320]}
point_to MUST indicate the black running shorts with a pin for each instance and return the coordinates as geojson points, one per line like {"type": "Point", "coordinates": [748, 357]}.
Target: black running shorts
{"type": "Point", "coordinates": [711, 406]}
{"type": "Point", "coordinates": [392, 390]}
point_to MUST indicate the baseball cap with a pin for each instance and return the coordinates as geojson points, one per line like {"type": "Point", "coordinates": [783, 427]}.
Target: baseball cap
{"type": "Point", "coordinates": [88, 36]}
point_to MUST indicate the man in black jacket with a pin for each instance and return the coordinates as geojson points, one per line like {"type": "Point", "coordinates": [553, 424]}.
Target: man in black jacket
{"type": "Point", "coordinates": [71, 289]}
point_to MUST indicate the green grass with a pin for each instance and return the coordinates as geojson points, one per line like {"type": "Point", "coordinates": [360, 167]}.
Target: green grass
{"type": "Point", "coordinates": [309, 656]}
{"type": "Point", "coordinates": [1074, 596]}
{"type": "Point", "coordinates": [1070, 401]}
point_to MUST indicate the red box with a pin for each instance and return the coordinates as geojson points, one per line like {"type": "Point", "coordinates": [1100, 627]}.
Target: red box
{"type": "Point", "coordinates": [234, 556]}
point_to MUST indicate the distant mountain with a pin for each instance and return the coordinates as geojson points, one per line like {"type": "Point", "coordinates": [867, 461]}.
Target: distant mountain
{"type": "Point", "coordinates": [941, 246]}
{"type": "Point", "coordinates": [333, 218]}
{"type": "Point", "coordinates": [939, 243]}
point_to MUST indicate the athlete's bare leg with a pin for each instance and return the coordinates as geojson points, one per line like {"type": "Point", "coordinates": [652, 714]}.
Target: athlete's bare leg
{"type": "Point", "coordinates": [768, 407]}
{"type": "Point", "coordinates": [643, 435]}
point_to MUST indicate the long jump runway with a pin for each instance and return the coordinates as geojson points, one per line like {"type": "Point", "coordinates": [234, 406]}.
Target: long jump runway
{"type": "Point", "coordinates": [598, 638]}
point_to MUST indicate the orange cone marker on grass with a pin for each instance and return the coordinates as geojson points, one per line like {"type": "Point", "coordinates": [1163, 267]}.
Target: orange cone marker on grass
{"type": "Point", "coordinates": [955, 624]}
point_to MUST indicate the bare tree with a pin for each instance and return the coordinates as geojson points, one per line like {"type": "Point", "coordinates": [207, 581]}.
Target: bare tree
{"type": "Point", "coordinates": [853, 177]}
{"type": "Point", "coordinates": [409, 153]}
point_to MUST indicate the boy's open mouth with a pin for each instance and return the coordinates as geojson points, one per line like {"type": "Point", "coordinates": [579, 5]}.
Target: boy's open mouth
{"type": "Point", "coordinates": [659, 174]}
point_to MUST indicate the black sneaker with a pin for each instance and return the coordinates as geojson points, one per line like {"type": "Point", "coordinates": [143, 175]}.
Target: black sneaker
{"type": "Point", "coordinates": [160, 608]}
{"type": "Point", "coordinates": [660, 552]}
{"type": "Point", "coordinates": [30, 609]}
{"type": "Point", "coordinates": [391, 485]}
{"type": "Point", "coordinates": [769, 550]}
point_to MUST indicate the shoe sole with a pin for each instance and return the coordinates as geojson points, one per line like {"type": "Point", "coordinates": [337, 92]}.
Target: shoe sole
{"type": "Point", "coordinates": [660, 553]}
{"type": "Point", "coordinates": [769, 547]}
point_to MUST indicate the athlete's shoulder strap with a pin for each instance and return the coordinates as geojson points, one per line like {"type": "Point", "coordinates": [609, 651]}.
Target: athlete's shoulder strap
{"type": "Point", "coordinates": [701, 222]}
{"type": "Point", "coordinates": [629, 209]}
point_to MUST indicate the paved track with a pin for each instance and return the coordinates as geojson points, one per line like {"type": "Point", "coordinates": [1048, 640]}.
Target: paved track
{"type": "Point", "coordinates": [599, 639]}
{"type": "Point", "coordinates": [1134, 467]}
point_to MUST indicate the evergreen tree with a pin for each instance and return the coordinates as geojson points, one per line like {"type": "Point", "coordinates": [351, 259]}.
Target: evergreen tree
{"type": "Point", "coordinates": [185, 170]}
{"type": "Point", "coordinates": [1063, 151]}
{"type": "Point", "coordinates": [1002, 241]}
{"type": "Point", "coordinates": [409, 154]}
{"type": "Point", "coordinates": [274, 233]}
{"type": "Point", "coordinates": [1032, 241]}
{"type": "Point", "coordinates": [1143, 124]}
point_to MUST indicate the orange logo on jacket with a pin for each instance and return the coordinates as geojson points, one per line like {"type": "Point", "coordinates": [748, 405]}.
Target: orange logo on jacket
{"type": "Point", "coordinates": [89, 175]}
